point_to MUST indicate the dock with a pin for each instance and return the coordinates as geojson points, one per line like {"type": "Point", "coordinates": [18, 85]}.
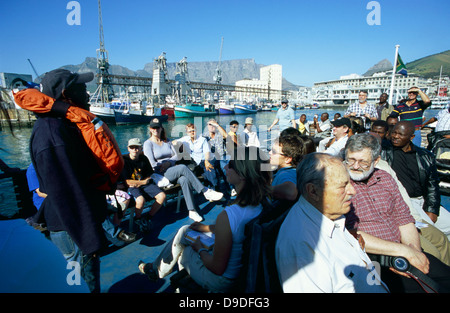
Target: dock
{"type": "Point", "coordinates": [19, 118]}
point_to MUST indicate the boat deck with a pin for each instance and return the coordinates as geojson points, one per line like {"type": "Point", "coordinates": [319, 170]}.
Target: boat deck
{"type": "Point", "coordinates": [119, 266]}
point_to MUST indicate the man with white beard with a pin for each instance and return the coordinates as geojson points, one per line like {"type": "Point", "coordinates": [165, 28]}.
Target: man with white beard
{"type": "Point", "coordinates": [380, 215]}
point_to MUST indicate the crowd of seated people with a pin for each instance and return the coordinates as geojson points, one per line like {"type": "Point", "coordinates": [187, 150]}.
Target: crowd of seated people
{"type": "Point", "coordinates": [354, 194]}
{"type": "Point", "coordinates": [422, 242]}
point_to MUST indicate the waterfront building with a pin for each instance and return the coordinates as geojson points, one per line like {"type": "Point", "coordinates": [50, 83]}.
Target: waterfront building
{"type": "Point", "coordinates": [345, 90]}
{"type": "Point", "coordinates": [270, 78]}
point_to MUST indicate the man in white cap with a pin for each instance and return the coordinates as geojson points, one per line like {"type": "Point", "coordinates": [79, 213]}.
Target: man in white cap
{"type": "Point", "coordinates": [137, 174]}
{"type": "Point", "coordinates": [251, 137]}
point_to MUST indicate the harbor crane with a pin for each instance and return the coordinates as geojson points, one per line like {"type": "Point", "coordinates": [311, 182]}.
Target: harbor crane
{"type": "Point", "coordinates": [218, 76]}
{"type": "Point", "coordinates": [34, 70]}
{"type": "Point", "coordinates": [104, 92]}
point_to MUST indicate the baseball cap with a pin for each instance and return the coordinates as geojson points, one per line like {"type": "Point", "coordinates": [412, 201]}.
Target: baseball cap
{"type": "Point", "coordinates": [134, 142]}
{"type": "Point", "coordinates": [54, 82]}
{"type": "Point", "coordinates": [155, 123]}
{"type": "Point", "coordinates": [284, 101]}
{"type": "Point", "coordinates": [341, 122]}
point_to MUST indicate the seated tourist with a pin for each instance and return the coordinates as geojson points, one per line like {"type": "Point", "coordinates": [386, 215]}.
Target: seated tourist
{"type": "Point", "coordinates": [163, 158]}
{"type": "Point", "coordinates": [341, 128]}
{"type": "Point", "coordinates": [416, 169]}
{"type": "Point", "coordinates": [218, 268]}
{"type": "Point", "coordinates": [314, 251]}
{"type": "Point", "coordinates": [137, 173]}
{"type": "Point", "coordinates": [285, 155]}
{"type": "Point", "coordinates": [380, 215]}
{"type": "Point", "coordinates": [200, 153]}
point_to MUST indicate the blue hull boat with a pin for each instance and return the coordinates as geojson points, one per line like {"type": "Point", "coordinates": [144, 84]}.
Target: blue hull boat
{"type": "Point", "coordinates": [245, 109]}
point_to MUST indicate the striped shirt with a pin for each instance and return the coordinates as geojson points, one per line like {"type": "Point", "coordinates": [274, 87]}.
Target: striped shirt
{"type": "Point", "coordinates": [413, 113]}
{"type": "Point", "coordinates": [378, 207]}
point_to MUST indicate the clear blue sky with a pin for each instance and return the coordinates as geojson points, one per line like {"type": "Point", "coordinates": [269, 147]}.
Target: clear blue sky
{"type": "Point", "coordinates": [314, 40]}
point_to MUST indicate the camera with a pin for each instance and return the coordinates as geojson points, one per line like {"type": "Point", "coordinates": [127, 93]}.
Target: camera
{"type": "Point", "coordinates": [397, 262]}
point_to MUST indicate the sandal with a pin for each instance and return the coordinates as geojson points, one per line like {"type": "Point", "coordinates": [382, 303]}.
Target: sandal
{"type": "Point", "coordinates": [147, 269]}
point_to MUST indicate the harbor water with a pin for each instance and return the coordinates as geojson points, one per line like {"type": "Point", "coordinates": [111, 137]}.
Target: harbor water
{"type": "Point", "coordinates": [14, 148]}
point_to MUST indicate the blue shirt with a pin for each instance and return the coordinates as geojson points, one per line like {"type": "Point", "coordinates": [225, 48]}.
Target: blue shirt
{"type": "Point", "coordinates": [285, 174]}
{"type": "Point", "coordinates": [285, 117]}
{"type": "Point", "coordinates": [199, 148]}
{"type": "Point", "coordinates": [33, 184]}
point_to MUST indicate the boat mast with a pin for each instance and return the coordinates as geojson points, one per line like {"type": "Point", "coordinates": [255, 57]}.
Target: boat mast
{"type": "Point", "coordinates": [439, 87]}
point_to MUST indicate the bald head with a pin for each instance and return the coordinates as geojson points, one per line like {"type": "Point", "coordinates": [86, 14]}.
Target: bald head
{"type": "Point", "coordinates": [402, 134]}
{"type": "Point", "coordinates": [408, 127]}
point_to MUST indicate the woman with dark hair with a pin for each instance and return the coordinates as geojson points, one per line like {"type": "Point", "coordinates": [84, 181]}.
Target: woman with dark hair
{"type": "Point", "coordinates": [218, 269]}
{"type": "Point", "coordinates": [163, 156]}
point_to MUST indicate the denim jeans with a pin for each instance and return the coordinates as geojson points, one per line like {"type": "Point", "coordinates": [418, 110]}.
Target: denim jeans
{"type": "Point", "coordinates": [89, 264]}
{"type": "Point", "coordinates": [188, 182]}
{"type": "Point", "coordinates": [417, 140]}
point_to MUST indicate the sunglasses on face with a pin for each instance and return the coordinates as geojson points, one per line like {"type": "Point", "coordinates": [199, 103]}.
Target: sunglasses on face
{"type": "Point", "coordinates": [134, 147]}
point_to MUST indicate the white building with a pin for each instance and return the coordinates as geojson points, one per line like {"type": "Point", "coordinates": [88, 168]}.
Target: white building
{"type": "Point", "coordinates": [345, 90]}
{"type": "Point", "coordinates": [270, 78]}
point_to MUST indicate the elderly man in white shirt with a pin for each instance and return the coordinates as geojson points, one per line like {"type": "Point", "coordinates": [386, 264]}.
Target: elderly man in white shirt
{"type": "Point", "coordinates": [314, 250]}
{"type": "Point", "coordinates": [199, 152]}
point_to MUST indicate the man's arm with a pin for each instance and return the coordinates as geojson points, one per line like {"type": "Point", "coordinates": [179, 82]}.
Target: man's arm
{"type": "Point", "coordinates": [376, 245]}
{"type": "Point", "coordinates": [273, 124]}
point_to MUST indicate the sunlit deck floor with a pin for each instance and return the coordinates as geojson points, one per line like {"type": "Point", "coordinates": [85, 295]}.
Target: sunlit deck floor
{"type": "Point", "coordinates": [119, 266]}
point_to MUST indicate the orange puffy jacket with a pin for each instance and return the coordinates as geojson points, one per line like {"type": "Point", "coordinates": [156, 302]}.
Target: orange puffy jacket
{"type": "Point", "coordinates": [95, 132]}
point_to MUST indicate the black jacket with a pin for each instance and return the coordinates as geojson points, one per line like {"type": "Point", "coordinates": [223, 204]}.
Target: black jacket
{"type": "Point", "coordinates": [429, 179]}
{"type": "Point", "coordinates": [64, 167]}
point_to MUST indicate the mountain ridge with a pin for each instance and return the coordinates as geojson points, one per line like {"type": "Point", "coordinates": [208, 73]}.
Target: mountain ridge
{"type": "Point", "coordinates": [238, 69]}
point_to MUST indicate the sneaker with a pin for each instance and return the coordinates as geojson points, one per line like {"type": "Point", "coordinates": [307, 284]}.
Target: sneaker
{"type": "Point", "coordinates": [212, 195]}
{"type": "Point", "coordinates": [195, 216]}
{"type": "Point", "coordinates": [143, 224]}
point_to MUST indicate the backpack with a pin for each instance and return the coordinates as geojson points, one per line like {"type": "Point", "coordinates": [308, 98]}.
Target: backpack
{"type": "Point", "coordinates": [95, 132]}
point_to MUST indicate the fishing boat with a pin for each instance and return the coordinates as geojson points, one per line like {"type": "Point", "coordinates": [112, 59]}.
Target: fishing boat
{"type": "Point", "coordinates": [124, 117]}
{"type": "Point", "coordinates": [105, 111]}
{"type": "Point", "coordinates": [194, 109]}
{"type": "Point", "coordinates": [245, 109]}
{"type": "Point", "coordinates": [169, 111]}
{"type": "Point", "coordinates": [226, 109]}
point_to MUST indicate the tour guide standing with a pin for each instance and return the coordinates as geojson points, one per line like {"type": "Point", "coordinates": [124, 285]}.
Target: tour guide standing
{"type": "Point", "coordinates": [285, 116]}
{"type": "Point", "coordinates": [74, 209]}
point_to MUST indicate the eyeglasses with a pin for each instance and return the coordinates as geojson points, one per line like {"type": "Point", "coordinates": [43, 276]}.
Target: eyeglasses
{"type": "Point", "coordinates": [362, 164]}
{"type": "Point", "coordinates": [273, 151]}
{"type": "Point", "coordinates": [233, 126]}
